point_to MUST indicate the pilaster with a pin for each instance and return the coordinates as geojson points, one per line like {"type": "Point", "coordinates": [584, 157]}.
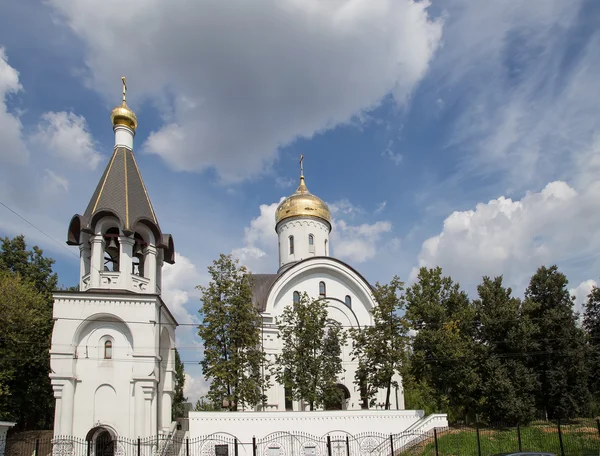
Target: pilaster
{"type": "Point", "coordinates": [96, 261]}
{"type": "Point", "coordinates": [126, 262]}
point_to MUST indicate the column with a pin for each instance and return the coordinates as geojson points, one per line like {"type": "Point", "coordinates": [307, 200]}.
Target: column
{"type": "Point", "coordinates": [166, 409]}
{"type": "Point", "coordinates": [66, 418]}
{"type": "Point", "coordinates": [97, 261]}
{"type": "Point", "coordinates": [148, 390]}
{"type": "Point", "coordinates": [84, 262]}
{"type": "Point", "coordinates": [150, 261]}
{"type": "Point", "coordinates": [57, 387]}
{"type": "Point", "coordinates": [126, 262]}
{"type": "Point", "coordinates": [139, 417]}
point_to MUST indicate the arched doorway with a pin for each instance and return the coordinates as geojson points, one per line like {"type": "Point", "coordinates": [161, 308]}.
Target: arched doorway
{"type": "Point", "coordinates": [103, 442]}
{"type": "Point", "coordinates": [339, 398]}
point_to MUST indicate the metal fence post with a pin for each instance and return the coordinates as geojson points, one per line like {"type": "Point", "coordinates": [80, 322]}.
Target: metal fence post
{"type": "Point", "coordinates": [329, 445]}
{"type": "Point", "coordinates": [560, 439]}
{"type": "Point", "coordinates": [139, 447]}
{"type": "Point", "coordinates": [253, 446]}
{"type": "Point", "coordinates": [347, 446]}
{"type": "Point", "coordinates": [235, 447]}
{"type": "Point", "coordinates": [187, 446]}
{"type": "Point", "coordinates": [519, 437]}
{"type": "Point", "coordinates": [89, 448]}
{"type": "Point", "coordinates": [37, 447]}
{"type": "Point", "coordinates": [437, 452]}
{"type": "Point", "coordinates": [392, 443]}
{"type": "Point", "coordinates": [479, 441]}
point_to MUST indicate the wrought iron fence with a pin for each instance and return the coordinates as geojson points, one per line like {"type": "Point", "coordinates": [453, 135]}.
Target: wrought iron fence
{"type": "Point", "coordinates": [577, 438]}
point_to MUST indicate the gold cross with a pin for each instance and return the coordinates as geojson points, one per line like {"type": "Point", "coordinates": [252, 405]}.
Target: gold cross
{"type": "Point", "coordinates": [301, 166]}
{"type": "Point", "coordinates": [124, 87]}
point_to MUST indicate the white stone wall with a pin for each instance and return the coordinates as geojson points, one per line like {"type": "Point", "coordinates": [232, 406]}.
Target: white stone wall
{"type": "Point", "coordinates": [340, 281]}
{"type": "Point", "coordinates": [244, 426]}
{"type": "Point", "coordinates": [300, 229]}
{"type": "Point", "coordinates": [131, 392]}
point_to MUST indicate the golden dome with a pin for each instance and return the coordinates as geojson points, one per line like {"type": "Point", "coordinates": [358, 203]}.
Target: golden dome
{"type": "Point", "coordinates": [122, 115]}
{"type": "Point", "coordinates": [302, 203]}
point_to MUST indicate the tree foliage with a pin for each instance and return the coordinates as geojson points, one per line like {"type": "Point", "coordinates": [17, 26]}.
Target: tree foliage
{"type": "Point", "coordinates": [230, 329]}
{"type": "Point", "coordinates": [178, 398]}
{"type": "Point", "coordinates": [591, 323]}
{"type": "Point", "coordinates": [443, 349]}
{"type": "Point", "coordinates": [507, 383]}
{"type": "Point", "coordinates": [26, 321]}
{"type": "Point", "coordinates": [556, 349]}
{"type": "Point", "coordinates": [380, 348]}
{"type": "Point", "coordinates": [310, 361]}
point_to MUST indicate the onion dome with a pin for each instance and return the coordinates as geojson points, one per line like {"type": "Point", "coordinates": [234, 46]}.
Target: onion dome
{"type": "Point", "coordinates": [302, 203]}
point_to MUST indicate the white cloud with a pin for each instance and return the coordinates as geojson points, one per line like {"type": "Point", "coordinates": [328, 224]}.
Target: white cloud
{"type": "Point", "coordinates": [360, 243]}
{"type": "Point", "coordinates": [66, 136]}
{"type": "Point", "coordinates": [246, 78]}
{"type": "Point", "coordinates": [395, 157]}
{"type": "Point", "coordinates": [513, 238]}
{"type": "Point", "coordinates": [581, 292]}
{"type": "Point", "coordinates": [521, 90]}
{"type": "Point", "coordinates": [55, 183]}
{"type": "Point", "coordinates": [381, 207]}
{"type": "Point", "coordinates": [13, 150]}
{"type": "Point", "coordinates": [344, 208]}
{"type": "Point", "coordinates": [195, 387]}
{"type": "Point", "coordinates": [179, 284]}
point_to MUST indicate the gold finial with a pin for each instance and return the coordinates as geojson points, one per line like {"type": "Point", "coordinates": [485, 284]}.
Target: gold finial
{"type": "Point", "coordinates": [124, 88]}
{"type": "Point", "coordinates": [122, 115]}
{"type": "Point", "coordinates": [301, 166]}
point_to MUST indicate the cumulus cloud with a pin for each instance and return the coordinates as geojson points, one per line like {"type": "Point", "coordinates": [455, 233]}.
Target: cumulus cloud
{"type": "Point", "coordinates": [195, 387]}
{"type": "Point", "coordinates": [179, 284]}
{"type": "Point", "coordinates": [354, 243]}
{"type": "Point", "coordinates": [13, 148]}
{"type": "Point", "coordinates": [360, 243]}
{"type": "Point", "coordinates": [581, 292]}
{"type": "Point", "coordinates": [513, 238]}
{"type": "Point", "coordinates": [66, 136]}
{"type": "Point", "coordinates": [241, 79]}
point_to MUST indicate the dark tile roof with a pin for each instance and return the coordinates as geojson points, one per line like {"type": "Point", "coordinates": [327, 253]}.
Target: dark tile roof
{"type": "Point", "coordinates": [261, 284]}
{"type": "Point", "coordinates": [121, 192]}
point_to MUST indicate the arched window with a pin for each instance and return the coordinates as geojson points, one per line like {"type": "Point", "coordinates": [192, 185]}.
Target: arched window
{"type": "Point", "coordinates": [322, 290]}
{"type": "Point", "coordinates": [326, 252]}
{"type": "Point", "coordinates": [348, 301]}
{"type": "Point", "coordinates": [108, 349]}
{"type": "Point", "coordinates": [311, 243]}
{"type": "Point", "coordinates": [296, 297]}
{"type": "Point", "coordinates": [291, 245]}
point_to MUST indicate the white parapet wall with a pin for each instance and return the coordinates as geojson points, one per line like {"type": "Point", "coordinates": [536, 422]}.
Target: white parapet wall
{"type": "Point", "coordinates": [246, 425]}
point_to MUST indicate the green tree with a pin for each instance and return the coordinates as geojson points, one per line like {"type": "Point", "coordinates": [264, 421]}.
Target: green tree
{"type": "Point", "coordinates": [32, 405]}
{"type": "Point", "coordinates": [381, 347]}
{"type": "Point", "coordinates": [443, 353]}
{"type": "Point", "coordinates": [205, 405]}
{"type": "Point", "coordinates": [178, 398]}
{"type": "Point", "coordinates": [32, 265]}
{"type": "Point", "coordinates": [230, 329]}
{"type": "Point", "coordinates": [25, 391]}
{"type": "Point", "coordinates": [507, 383]}
{"type": "Point", "coordinates": [591, 323]}
{"type": "Point", "coordinates": [556, 350]}
{"type": "Point", "coordinates": [310, 361]}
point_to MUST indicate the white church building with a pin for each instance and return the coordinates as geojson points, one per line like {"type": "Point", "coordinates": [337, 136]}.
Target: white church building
{"type": "Point", "coordinates": [112, 352]}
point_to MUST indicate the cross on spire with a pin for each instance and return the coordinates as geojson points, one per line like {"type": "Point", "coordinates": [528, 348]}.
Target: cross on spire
{"type": "Point", "coordinates": [124, 88]}
{"type": "Point", "coordinates": [301, 165]}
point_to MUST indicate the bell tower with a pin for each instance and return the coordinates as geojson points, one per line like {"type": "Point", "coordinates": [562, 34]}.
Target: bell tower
{"type": "Point", "coordinates": [112, 353]}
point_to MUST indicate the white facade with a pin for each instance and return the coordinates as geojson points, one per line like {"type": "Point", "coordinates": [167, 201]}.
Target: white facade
{"type": "Point", "coordinates": [301, 238]}
{"type": "Point", "coordinates": [112, 356]}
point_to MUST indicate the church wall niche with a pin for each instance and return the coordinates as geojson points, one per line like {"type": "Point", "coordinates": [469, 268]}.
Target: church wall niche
{"type": "Point", "coordinates": [105, 404]}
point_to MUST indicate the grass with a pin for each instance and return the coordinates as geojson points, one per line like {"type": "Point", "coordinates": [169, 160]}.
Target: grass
{"type": "Point", "coordinates": [579, 439]}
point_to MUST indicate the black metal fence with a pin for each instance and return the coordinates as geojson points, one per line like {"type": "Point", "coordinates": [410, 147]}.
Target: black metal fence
{"type": "Point", "coordinates": [576, 438]}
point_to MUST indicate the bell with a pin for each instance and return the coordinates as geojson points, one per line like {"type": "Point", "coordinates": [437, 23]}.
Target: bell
{"type": "Point", "coordinates": [137, 250]}
{"type": "Point", "coordinates": [112, 249]}
{"type": "Point", "coordinates": [112, 244]}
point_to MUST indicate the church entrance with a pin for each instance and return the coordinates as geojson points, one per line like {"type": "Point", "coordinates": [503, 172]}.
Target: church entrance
{"type": "Point", "coordinates": [102, 440]}
{"type": "Point", "coordinates": [340, 399]}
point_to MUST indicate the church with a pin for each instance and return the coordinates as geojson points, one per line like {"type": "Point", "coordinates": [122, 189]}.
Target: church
{"type": "Point", "coordinates": [112, 352]}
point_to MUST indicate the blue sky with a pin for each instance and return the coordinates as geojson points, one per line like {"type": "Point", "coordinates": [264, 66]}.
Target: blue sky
{"type": "Point", "coordinates": [442, 133]}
